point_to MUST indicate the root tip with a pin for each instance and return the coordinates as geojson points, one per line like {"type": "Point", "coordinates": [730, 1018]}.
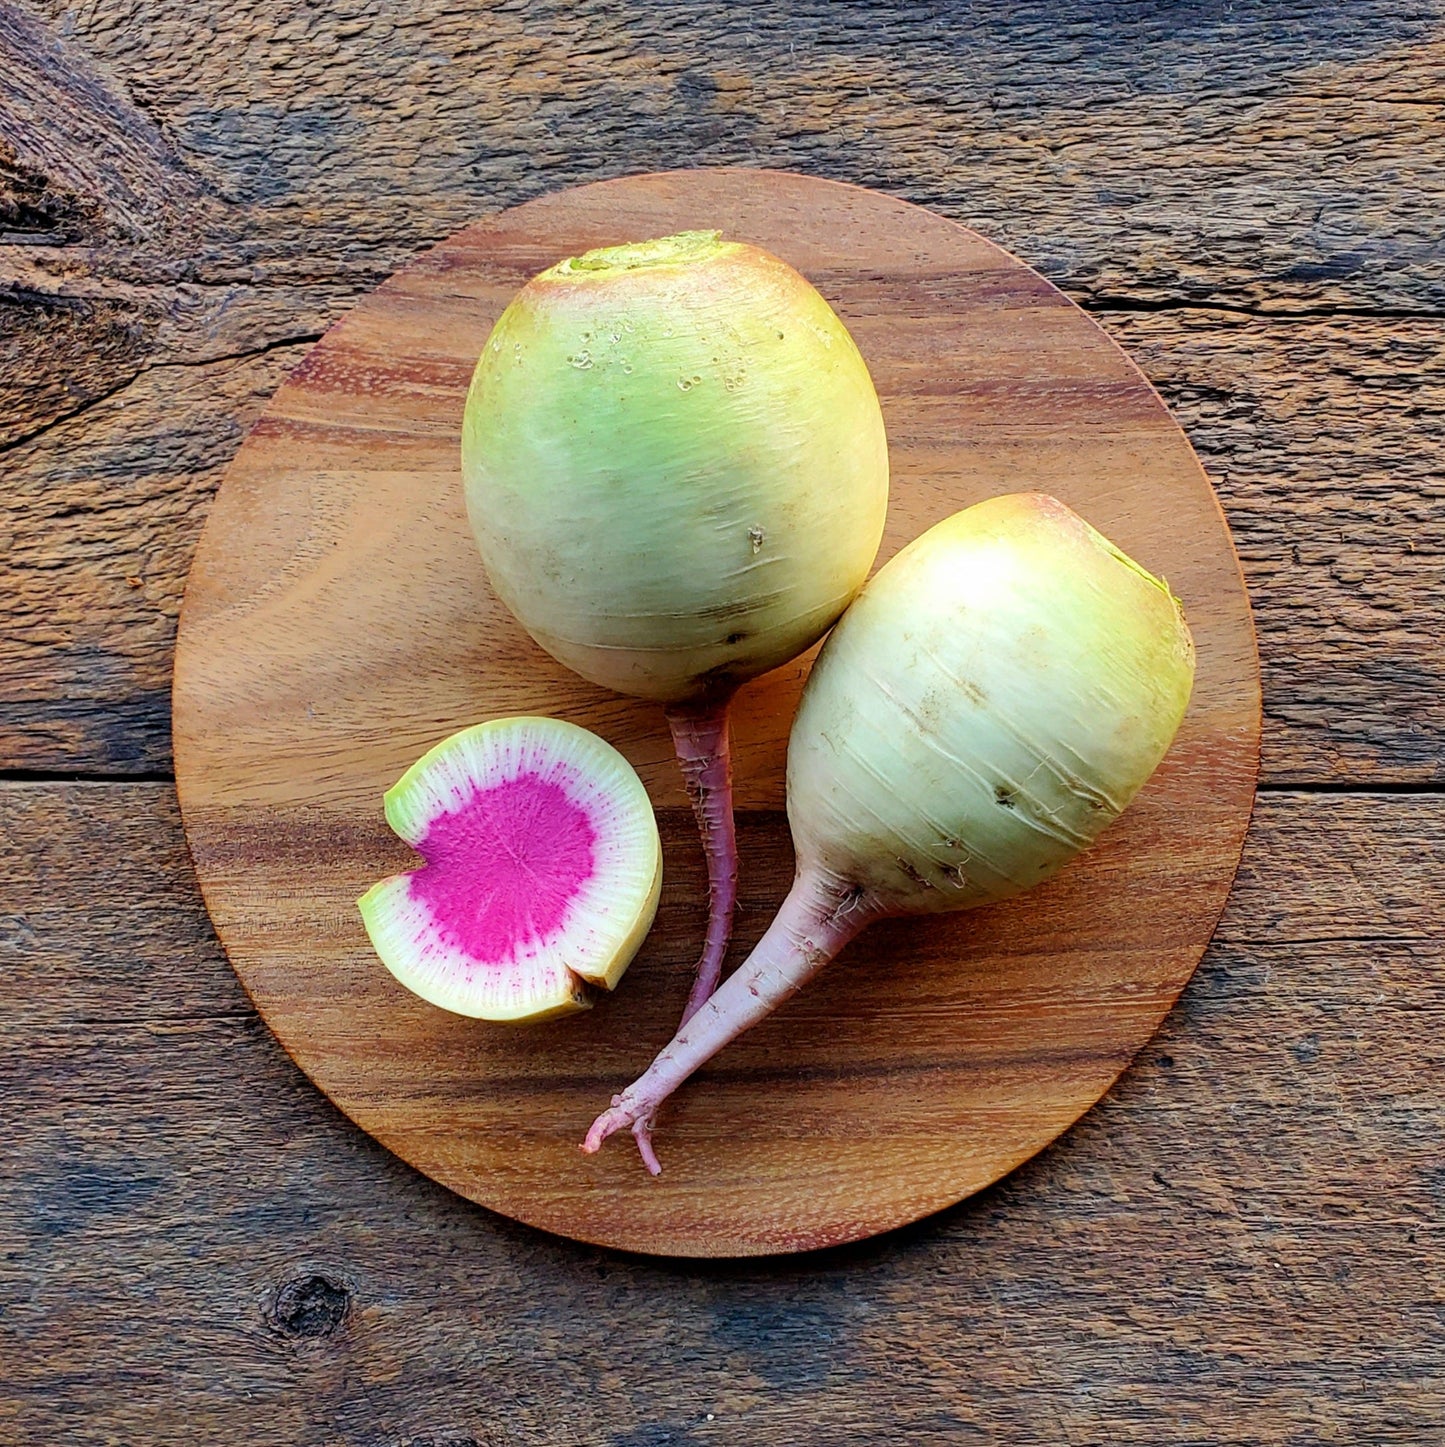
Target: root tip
{"type": "Point", "coordinates": [642, 1134]}
{"type": "Point", "coordinates": [612, 1121]}
{"type": "Point", "coordinates": [601, 1128]}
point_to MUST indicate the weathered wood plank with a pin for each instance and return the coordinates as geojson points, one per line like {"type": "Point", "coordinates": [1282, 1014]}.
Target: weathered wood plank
{"type": "Point", "coordinates": [1326, 443]}
{"type": "Point", "coordinates": [102, 516]}
{"type": "Point", "coordinates": [79, 163]}
{"type": "Point", "coordinates": [1284, 155]}
{"type": "Point", "coordinates": [1241, 1245]}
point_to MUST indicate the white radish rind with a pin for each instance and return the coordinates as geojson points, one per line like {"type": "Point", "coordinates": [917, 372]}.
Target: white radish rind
{"type": "Point", "coordinates": [607, 916]}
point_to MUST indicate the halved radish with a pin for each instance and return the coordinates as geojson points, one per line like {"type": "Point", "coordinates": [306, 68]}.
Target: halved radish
{"type": "Point", "coordinates": [542, 874]}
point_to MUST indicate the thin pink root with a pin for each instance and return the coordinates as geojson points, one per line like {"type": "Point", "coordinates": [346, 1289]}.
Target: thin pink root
{"type": "Point", "coordinates": [614, 1120]}
{"type": "Point", "coordinates": [700, 736]}
{"type": "Point", "coordinates": [820, 915]}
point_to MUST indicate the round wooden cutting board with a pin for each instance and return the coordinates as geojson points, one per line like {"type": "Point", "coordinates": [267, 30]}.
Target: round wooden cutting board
{"type": "Point", "coordinates": [337, 623]}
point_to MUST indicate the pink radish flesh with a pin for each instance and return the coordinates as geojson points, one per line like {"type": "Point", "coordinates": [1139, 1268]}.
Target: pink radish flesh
{"type": "Point", "coordinates": [503, 869]}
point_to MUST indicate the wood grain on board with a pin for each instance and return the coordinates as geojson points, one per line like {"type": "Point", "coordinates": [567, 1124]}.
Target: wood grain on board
{"type": "Point", "coordinates": [337, 623]}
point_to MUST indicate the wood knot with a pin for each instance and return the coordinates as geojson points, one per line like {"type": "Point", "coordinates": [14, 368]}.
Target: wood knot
{"type": "Point", "coordinates": [310, 1306]}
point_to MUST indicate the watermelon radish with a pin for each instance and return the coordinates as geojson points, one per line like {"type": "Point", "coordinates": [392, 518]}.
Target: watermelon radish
{"type": "Point", "coordinates": [676, 472]}
{"type": "Point", "coordinates": [541, 876]}
{"type": "Point", "coordinates": [998, 693]}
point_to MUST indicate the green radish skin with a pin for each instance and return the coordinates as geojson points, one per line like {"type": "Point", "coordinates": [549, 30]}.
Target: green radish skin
{"type": "Point", "coordinates": [677, 475]}
{"type": "Point", "coordinates": [1019, 708]}
{"type": "Point", "coordinates": [997, 694]}
{"type": "Point", "coordinates": [675, 465]}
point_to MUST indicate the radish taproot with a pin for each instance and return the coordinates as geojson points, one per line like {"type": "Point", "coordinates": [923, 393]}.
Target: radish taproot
{"type": "Point", "coordinates": [999, 692]}
{"type": "Point", "coordinates": [542, 871]}
{"type": "Point", "coordinates": [676, 472]}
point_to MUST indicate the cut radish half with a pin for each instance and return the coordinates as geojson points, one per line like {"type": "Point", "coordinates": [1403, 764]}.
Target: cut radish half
{"type": "Point", "coordinates": [542, 874]}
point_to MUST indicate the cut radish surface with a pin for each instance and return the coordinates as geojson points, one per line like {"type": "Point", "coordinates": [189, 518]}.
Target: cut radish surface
{"type": "Point", "coordinates": [542, 874]}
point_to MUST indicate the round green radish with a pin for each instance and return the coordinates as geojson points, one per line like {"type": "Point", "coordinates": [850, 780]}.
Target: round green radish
{"type": "Point", "coordinates": [675, 464]}
{"type": "Point", "coordinates": [542, 871]}
{"type": "Point", "coordinates": [997, 694]}
{"type": "Point", "coordinates": [677, 474]}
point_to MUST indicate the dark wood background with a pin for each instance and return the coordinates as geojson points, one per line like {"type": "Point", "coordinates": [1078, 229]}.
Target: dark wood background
{"type": "Point", "coordinates": [1243, 1244]}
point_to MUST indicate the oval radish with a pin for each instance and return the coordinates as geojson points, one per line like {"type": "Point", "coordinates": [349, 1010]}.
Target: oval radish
{"type": "Point", "coordinates": [997, 694]}
{"type": "Point", "coordinates": [677, 475]}
{"type": "Point", "coordinates": [542, 871]}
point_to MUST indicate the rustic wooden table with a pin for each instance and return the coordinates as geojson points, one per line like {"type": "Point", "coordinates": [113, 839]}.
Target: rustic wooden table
{"type": "Point", "coordinates": [1242, 1244]}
